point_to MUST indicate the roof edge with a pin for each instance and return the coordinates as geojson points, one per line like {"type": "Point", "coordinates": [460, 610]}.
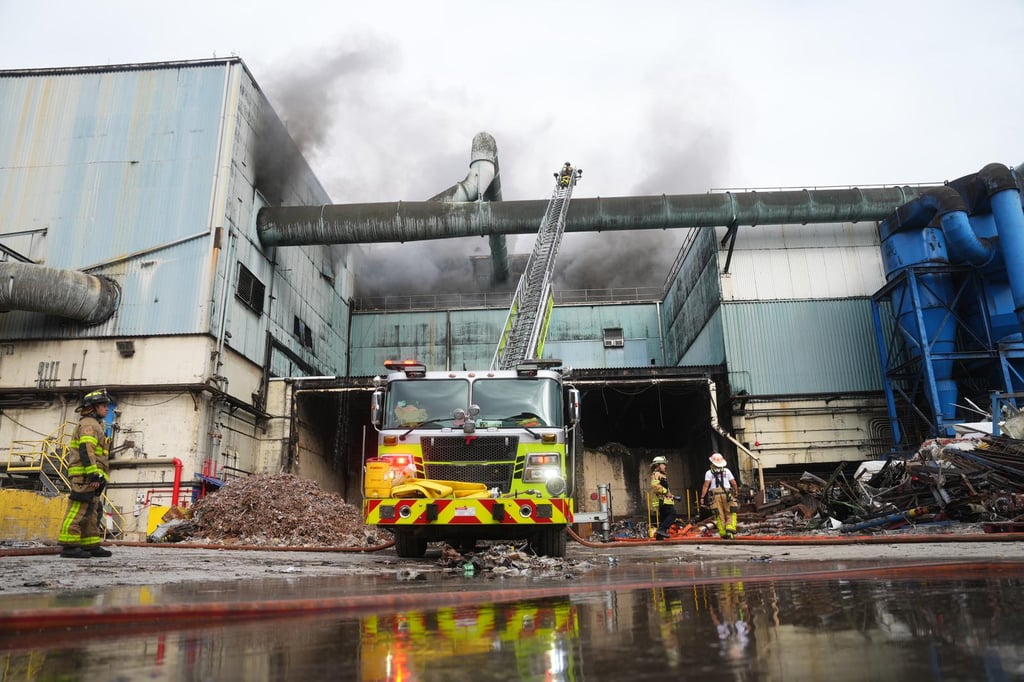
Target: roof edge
{"type": "Point", "coordinates": [138, 66]}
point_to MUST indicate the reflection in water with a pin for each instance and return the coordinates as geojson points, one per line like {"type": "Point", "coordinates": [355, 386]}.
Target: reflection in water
{"type": "Point", "coordinates": [776, 630]}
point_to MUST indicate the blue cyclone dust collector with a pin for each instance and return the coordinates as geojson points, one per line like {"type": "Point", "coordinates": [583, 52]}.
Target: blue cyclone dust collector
{"type": "Point", "coordinates": [950, 317]}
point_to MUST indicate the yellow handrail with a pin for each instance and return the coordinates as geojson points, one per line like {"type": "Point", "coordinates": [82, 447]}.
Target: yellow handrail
{"type": "Point", "coordinates": [53, 450]}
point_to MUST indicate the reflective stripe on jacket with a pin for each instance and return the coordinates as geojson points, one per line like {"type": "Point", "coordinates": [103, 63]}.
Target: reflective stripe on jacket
{"type": "Point", "coordinates": [659, 484]}
{"type": "Point", "coordinates": [90, 434]}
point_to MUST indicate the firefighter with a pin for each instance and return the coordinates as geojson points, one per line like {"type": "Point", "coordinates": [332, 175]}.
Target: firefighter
{"type": "Point", "coordinates": [724, 494]}
{"type": "Point", "coordinates": [87, 469]}
{"type": "Point", "coordinates": [662, 492]}
{"type": "Point", "coordinates": [410, 413]}
{"type": "Point", "coordinates": [566, 175]}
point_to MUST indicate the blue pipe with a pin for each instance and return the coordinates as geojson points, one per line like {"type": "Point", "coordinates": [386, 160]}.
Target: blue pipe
{"type": "Point", "coordinates": [1004, 196]}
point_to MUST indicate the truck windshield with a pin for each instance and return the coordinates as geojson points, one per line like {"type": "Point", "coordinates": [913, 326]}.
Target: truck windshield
{"type": "Point", "coordinates": [518, 402]}
{"type": "Point", "coordinates": [415, 402]}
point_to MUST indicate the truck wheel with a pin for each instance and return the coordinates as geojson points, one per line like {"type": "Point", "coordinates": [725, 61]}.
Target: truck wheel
{"type": "Point", "coordinates": [550, 542]}
{"type": "Point", "coordinates": [409, 547]}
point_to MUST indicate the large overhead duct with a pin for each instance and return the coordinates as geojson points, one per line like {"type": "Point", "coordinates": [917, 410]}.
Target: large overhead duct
{"type": "Point", "coordinates": [482, 183]}
{"type": "Point", "coordinates": [53, 291]}
{"type": "Point", "coordinates": [414, 221]}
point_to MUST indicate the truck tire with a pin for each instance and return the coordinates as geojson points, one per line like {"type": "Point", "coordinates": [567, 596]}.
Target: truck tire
{"type": "Point", "coordinates": [550, 542]}
{"type": "Point", "coordinates": [409, 547]}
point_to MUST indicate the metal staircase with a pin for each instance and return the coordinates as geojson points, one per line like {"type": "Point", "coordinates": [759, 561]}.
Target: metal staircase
{"type": "Point", "coordinates": [43, 464]}
{"type": "Point", "coordinates": [526, 324]}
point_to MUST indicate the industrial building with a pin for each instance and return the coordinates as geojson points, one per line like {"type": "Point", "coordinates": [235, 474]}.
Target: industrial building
{"type": "Point", "coordinates": [163, 237]}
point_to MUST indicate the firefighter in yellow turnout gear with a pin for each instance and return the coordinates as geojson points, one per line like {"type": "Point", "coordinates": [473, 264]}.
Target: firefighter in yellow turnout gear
{"type": "Point", "coordinates": [87, 470]}
{"type": "Point", "coordinates": [663, 494]}
{"type": "Point", "coordinates": [724, 493]}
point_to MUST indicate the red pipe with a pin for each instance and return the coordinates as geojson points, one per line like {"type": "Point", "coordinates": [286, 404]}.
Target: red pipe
{"type": "Point", "coordinates": [178, 466]}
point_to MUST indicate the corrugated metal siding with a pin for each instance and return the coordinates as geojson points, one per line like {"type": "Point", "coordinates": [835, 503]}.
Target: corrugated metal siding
{"type": "Point", "coordinates": [593, 354]}
{"type": "Point", "coordinates": [112, 163]}
{"type": "Point", "coordinates": [801, 347]}
{"type": "Point", "coordinates": [692, 298]}
{"type": "Point", "coordinates": [585, 323]}
{"type": "Point", "coordinates": [311, 283]}
{"type": "Point", "coordinates": [468, 337]}
{"type": "Point", "coordinates": [576, 336]}
{"type": "Point", "coordinates": [802, 262]}
{"type": "Point", "coordinates": [709, 346]}
{"type": "Point", "coordinates": [161, 292]}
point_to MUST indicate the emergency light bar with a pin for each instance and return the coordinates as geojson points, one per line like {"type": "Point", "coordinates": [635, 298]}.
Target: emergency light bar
{"type": "Point", "coordinates": [412, 368]}
{"type": "Point", "coordinates": [530, 367]}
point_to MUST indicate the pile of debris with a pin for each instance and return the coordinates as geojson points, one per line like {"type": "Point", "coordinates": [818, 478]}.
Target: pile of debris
{"type": "Point", "coordinates": [968, 480]}
{"type": "Point", "coordinates": [510, 560]}
{"type": "Point", "coordinates": [279, 510]}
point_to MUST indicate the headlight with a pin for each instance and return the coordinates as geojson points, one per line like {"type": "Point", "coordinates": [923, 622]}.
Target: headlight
{"type": "Point", "coordinates": [542, 466]}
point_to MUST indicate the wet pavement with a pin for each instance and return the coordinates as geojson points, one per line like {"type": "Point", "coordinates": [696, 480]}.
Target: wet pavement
{"type": "Point", "coordinates": [637, 619]}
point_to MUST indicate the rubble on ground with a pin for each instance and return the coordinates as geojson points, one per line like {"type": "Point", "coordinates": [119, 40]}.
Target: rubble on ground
{"type": "Point", "coordinates": [510, 560]}
{"type": "Point", "coordinates": [957, 483]}
{"type": "Point", "coordinates": [279, 510]}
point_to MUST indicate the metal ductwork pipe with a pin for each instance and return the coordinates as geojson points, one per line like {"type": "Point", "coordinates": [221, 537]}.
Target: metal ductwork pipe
{"type": "Point", "coordinates": [415, 221]}
{"type": "Point", "coordinates": [482, 183]}
{"type": "Point", "coordinates": [52, 291]}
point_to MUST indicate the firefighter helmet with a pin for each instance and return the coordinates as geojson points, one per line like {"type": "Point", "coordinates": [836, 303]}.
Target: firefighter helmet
{"type": "Point", "coordinates": [99, 397]}
{"type": "Point", "coordinates": [717, 460]}
{"type": "Point", "coordinates": [658, 460]}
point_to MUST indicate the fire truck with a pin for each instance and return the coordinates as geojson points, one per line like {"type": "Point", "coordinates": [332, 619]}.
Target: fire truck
{"type": "Point", "coordinates": [482, 455]}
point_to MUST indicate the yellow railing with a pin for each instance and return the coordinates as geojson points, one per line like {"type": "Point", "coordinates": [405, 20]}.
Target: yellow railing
{"type": "Point", "coordinates": [32, 456]}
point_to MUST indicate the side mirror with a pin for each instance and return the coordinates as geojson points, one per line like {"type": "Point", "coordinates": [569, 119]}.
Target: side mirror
{"type": "Point", "coordinates": [574, 405]}
{"type": "Point", "coordinates": [377, 408]}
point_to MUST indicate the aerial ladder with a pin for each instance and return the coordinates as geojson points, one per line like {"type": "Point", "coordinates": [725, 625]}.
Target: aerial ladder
{"type": "Point", "coordinates": [527, 322]}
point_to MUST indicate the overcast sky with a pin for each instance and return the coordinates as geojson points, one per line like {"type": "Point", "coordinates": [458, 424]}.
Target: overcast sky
{"type": "Point", "coordinates": [647, 97]}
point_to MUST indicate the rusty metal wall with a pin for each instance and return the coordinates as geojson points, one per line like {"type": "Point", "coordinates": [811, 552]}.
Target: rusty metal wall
{"type": "Point", "coordinates": [113, 164]}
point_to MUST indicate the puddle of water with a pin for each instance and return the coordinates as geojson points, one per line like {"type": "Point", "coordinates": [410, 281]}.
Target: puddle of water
{"type": "Point", "coordinates": [848, 627]}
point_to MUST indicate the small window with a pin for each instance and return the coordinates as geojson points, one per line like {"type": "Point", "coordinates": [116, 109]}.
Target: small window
{"type": "Point", "coordinates": [250, 290]}
{"type": "Point", "coordinates": [303, 333]}
{"type": "Point", "coordinates": [613, 338]}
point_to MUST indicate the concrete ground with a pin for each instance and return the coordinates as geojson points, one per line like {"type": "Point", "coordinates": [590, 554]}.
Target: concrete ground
{"type": "Point", "coordinates": [168, 565]}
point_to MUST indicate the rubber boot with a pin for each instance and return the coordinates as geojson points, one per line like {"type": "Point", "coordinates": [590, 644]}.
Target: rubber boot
{"type": "Point", "coordinates": [98, 551]}
{"type": "Point", "coordinates": [75, 552]}
{"type": "Point", "coordinates": [730, 528]}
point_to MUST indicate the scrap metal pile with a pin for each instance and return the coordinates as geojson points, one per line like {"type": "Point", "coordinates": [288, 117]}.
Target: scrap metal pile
{"type": "Point", "coordinates": [280, 510]}
{"type": "Point", "coordinates": [952, 482]}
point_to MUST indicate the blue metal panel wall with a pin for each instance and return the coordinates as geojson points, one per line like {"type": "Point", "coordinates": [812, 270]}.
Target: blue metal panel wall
{"type": "Point", "coordinates": [692, 298]}
{"type": "Point", "coordinates": [801, 347]}
{"type": "Point", "coordinates": [469, 337]}
{"type": "Point", "coordinates": [709, 346]}
{"type": "Point", "coordinates": [112, 162]}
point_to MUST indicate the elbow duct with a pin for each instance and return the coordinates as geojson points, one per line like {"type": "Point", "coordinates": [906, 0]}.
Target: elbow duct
{"type": "Point", "coordinates": [71, 294]}
{"type": "Point", "coordinates": [482, 183]}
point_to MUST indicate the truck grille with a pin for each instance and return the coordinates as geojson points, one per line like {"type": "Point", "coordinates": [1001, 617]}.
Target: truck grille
{"type": "Point", "coordinates": [486, 459]}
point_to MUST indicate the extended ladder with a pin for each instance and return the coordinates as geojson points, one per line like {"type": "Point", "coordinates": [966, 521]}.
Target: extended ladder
{"type": "Point", "coordinates": [528, 316]}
